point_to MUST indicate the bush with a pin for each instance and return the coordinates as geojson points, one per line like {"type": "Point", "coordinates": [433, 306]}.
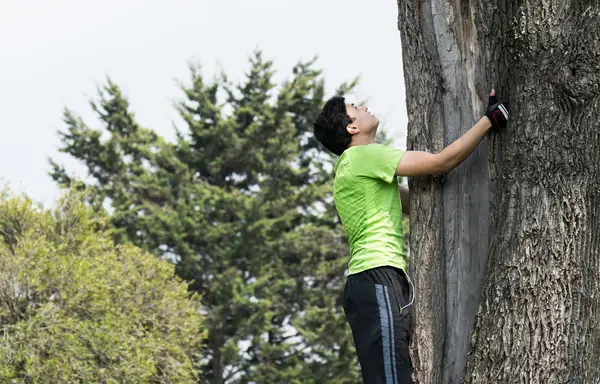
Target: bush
{"type": "Point", "coordinates": [75, 308]}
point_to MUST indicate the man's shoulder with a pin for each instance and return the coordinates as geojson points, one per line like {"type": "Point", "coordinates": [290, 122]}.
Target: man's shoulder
{"type": "Point", "coordinates": [362, 152]}
{"type": "Point", "coordinates": [343, 170]}
{"type": "Point", "coordinates": [358, 159]}
{"type": "Point", "coordinates": [370, 147]}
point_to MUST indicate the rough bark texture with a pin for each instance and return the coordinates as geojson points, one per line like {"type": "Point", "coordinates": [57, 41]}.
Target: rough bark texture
{"type": "Point", "coordinates": [540, 320]}
{"type": "Point", "coordinates": [424, 105]}
{"type": "Point", "coordinates": [449, 228]}
{"type": "Point", "coordinates": [539, 204]}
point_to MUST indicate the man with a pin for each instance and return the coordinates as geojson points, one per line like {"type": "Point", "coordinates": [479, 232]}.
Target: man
{"type": "Point", "coordinates": [377, 295]}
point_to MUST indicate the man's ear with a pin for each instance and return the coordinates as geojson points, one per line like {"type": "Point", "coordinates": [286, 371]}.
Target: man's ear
{"type": "Point", "coordinates": [352, 129]}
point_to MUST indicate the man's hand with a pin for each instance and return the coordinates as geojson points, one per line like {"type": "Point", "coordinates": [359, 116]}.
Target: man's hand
{"type": "Point", "coordinates": [421, 163]}
{"type": "Point", "coordinates": [497, 111]}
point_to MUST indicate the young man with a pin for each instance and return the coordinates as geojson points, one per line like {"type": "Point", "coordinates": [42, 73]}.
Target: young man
{"type": "Point", "coordinates": [377, 295]}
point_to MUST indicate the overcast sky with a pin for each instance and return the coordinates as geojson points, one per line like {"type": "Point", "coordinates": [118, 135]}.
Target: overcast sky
{"type": "Point", "coordinates": [54, 53]}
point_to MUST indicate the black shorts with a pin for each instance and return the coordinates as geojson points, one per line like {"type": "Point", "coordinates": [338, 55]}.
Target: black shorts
{"type": "Point", "coordinates": [373, 302]}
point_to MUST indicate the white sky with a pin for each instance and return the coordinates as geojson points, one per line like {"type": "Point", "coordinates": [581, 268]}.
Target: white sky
{"type": "Point", "coordinates": [53, 54]}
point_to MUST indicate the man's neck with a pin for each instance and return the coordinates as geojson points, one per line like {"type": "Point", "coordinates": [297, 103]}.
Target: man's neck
{"type": "Point", "coordinates": [363, 140]}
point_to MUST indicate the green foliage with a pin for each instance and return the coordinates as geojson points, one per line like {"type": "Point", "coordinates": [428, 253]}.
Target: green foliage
{"type": "Point", "coordinates": [242, 203]}
{"type": "Point", "coordinates": [75, 308]}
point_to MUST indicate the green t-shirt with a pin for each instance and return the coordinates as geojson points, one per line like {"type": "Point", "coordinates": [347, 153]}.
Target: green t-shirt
{"type": "Point", "coordinates": [367, 199]}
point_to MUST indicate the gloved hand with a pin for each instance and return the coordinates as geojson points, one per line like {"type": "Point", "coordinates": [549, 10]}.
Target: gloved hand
{"type": "Point", "coordinates": [497, 111]}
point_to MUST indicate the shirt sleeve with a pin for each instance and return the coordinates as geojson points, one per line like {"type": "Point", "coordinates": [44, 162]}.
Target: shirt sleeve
{"type": "Point", "coordinates": [376, 161]}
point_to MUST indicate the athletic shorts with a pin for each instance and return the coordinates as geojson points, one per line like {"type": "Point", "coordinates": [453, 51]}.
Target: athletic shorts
{"type": "Point", "coordinates": [373, 304]}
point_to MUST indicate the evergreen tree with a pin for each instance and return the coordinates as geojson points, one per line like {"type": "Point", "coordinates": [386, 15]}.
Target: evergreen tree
{"type": "Point", "coordinates": [242, 203]}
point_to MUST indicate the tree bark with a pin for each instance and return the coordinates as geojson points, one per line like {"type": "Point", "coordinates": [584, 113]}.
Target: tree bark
{"type": "Point", "coordinates": [530, 200]}
{"type": "Point", "coordinates": [424, 105]}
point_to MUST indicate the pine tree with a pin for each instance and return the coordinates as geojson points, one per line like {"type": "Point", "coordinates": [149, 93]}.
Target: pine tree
{"type": "Point", "coordinates": [242, 203]}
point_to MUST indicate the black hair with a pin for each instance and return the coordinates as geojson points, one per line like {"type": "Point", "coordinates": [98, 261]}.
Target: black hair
{"type": "Point", "coordinates": [330, 126]}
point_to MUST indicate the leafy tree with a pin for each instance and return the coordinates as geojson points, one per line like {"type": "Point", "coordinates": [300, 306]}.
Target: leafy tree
{"type": "Point", "coordinates": [242, 204]}
{"type": "Point", "coordinates": [76, 308]}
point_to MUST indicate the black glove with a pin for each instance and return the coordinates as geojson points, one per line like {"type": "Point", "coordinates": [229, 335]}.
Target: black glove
{"type": "Point", "coordinates": [497, 111]}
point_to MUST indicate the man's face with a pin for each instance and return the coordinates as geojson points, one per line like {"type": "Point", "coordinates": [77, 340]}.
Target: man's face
{"type": "Point", "coordinates": [362, 119]}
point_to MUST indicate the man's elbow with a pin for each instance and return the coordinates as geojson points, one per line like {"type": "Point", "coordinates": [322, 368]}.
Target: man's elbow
{"type": "Point", "coordinates": [441, 164]}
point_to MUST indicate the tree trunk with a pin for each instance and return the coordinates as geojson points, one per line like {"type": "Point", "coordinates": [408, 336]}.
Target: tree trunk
{"type": "Point", "coordinates": [539, 318]}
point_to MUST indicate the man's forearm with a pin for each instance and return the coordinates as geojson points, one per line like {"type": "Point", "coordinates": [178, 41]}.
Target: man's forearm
{"type": "Point", "coordinates": [461, 148]}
